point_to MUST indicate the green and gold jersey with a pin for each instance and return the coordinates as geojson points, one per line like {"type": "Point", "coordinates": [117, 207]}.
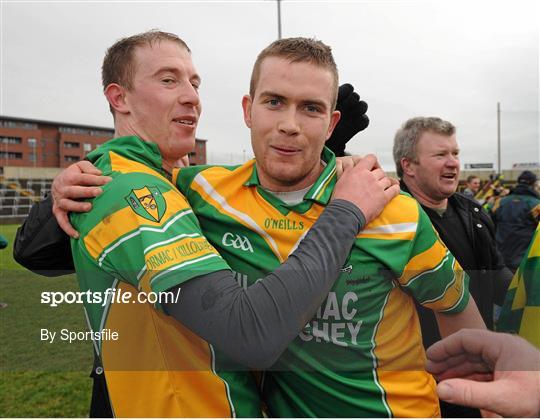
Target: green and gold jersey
{"type": "Point", "coordinates": [140, 239]}
{"type": "Point", "coordinates": [362, 353]}
{"type": "Point", "coordinates": [520, 313]}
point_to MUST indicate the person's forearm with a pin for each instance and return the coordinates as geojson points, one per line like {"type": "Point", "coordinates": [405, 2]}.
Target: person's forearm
{"type": "Point", "coordinates": [468, 318]}
{"type": "Point", "coordinates": [40, 245]}
{"type": "Point", "coordinates": [254, 326]}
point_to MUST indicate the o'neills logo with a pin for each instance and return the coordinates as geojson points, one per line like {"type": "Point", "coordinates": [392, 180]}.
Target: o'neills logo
{"type": "Point", "coordinates": [237, 242]}
{"type": "Point", "coordinates": [283, 224]}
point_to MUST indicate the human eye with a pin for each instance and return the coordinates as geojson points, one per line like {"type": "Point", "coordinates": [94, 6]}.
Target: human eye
{"type": "Point", "coordinates": [168, 80]}
{"type": "Point", "coordinates": [196, 83]}
{"type": "Point", "coordinates": [312, 108]}
{"type": "Point", "coordinates": [273, 102]}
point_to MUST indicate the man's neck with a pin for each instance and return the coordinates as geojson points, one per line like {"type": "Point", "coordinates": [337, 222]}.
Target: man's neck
{"type": "Point", "coordinates": [276, 186]}
{"type": "Point", "coordinates": [423, 198]}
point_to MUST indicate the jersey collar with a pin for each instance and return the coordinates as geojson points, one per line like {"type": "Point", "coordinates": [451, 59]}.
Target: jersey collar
{"type": "Point", "coordinates": [134, 148]}
{"type": "Point", "coordinates": [321, 190]}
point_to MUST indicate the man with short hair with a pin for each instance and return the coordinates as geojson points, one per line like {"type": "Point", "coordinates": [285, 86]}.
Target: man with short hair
{"type": "Point", "coordinates": [516, 217]}
{"type": "Point", "coordinates": [361, 355]}
{"type": "Point", "coordinates": [472, 188]}
{"type": "Point", "coordinates": [142, 237]}
{"type": "Point", "coordinates": [426, 155]}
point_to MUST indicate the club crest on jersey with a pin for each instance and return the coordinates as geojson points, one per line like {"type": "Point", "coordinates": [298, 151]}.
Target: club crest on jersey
{"type": "Point", "coordinates": [147, 202]}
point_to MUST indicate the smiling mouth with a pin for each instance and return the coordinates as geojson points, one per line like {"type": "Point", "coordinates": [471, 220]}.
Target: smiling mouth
{"type": "Point", "coordinates": [449, 176]}
{"type": "Point", "coordinates": [184, 122]}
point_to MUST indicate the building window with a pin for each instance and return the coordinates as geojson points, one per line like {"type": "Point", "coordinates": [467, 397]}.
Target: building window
{"type": "Point", "coordinates": [87, 132]}
{"type": "Point", "coordinates": [11, 155]}
{"type": "Point", "coordinates": [87, 147]}
{"type": "Point", "coordinates": [10, 140]}
{"type": "Point", "coordinates": [71, 158]}
{"type": "Point", "coordinates": [32, 142]}
{"type": "Point", "coordinates": [18, 124]}
{"type": "Point", "coordinates": [71, 145]}
{"type": "Point", "coordinates": [32, 157]}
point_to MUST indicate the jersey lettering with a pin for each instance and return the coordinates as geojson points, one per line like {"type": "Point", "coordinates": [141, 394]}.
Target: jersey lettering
{"type": "Point", "coordinates": [237, 242]}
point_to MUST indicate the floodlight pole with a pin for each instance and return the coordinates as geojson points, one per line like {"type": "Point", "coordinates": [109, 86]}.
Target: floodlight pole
{"type": "Point", "coordinates": [279, 18]}
{"type": "Point", "coordinates": [498, 138]}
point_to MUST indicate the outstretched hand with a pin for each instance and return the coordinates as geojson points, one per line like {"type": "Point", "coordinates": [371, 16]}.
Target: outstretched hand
{"type": "Point", "coordinates": [491, 371]}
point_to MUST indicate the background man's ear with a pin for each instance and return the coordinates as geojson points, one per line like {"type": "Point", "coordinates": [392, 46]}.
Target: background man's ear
{"type": "Point", "coordinates": [407, 166]}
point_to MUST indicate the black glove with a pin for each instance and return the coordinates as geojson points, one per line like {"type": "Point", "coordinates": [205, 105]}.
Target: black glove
{"type": "Point", "coordinates": [353, 119]}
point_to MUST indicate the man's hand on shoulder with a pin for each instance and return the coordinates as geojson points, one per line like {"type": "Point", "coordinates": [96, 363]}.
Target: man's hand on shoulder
{"type": "Point", "coordinates": [366, 185]}
{"type": "Point", "coordinates": [78, 181]}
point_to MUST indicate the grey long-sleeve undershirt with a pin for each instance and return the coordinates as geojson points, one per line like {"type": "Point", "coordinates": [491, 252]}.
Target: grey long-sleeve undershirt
{"type": "Point", "coordinates": [254, 326]}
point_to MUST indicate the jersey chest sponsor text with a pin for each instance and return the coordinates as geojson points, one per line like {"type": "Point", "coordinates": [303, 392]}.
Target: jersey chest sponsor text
{"type": "Point", "coordinates": [335, 321]}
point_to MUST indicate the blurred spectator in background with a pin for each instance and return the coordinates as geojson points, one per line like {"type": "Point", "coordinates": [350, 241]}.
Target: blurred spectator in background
{"type": "Point", "coordinates": [473, 186]}
{"type": "Point", "coordinates": [516, 217]}
{"type": "Point", "coordinates": [426, 155]}
{"type": "Point", "coordinates": [3, 242]}
{"type": "Point", "coordinates": [498, 193]}
{"type": "Point", "coordinates": [521, 310]}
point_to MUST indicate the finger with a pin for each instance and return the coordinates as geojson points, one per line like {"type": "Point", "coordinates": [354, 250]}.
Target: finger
{"type": "Point", "coordinates": [339, 168]}
{"type": "Point", "coordinates": [391, 192]}
{"type": "Point", "coordinates": [88, 168]}
{"type": "Point", "coordinates": [369, 162]}
{"type": "Point", "coordinates": [350, 104]}
{"type": "Point", "coordinates": [467, 341]}
{"type": "Point", "coordinates": [87, 180]}
{"type": "Point", "coordinates": [385, 183]}
{"type": "Point", "coordinates": [486, 395]}
{"type": "Point", "coordinates": [76, 192]}
{"type": "Point", "coordinates": [362, 106]}
{"type": "Point", "coordinates": [464, 370]}
{"type": "Point", "coordinates": [75, 206]}
{"type": "Point", "coordinates": [356, 159]}
{"type": "Point", "coordinates": [486, 414]}
{"type": "Point", "coordinates": [453, 363]}
{"type": "Point", "coordinates": [344, 91]}
{"type": "Point", "coordinates": [348, 165]}
{"type": "Point", "coordinates": [378, 174]}
{"type": "Point", "coordinates": [63, 221]}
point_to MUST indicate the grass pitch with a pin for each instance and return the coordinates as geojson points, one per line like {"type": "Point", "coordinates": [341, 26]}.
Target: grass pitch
{"type": "Point", "coordinates": [37, 378]}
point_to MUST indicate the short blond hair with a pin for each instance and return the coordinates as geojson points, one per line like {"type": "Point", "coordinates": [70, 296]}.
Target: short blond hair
{"type": "Point", "coordinates": [298, 50]}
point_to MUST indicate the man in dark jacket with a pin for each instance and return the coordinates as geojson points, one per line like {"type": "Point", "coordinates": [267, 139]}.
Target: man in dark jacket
{"type": "Point", "coordinates": [516, 217]}
{"type": "Point", "coordinates": [426, 154]}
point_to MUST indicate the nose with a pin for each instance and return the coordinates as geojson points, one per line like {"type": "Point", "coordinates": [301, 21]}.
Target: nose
{"type": "Point", "coordinates": [453, 161]}
{"type": "Point", "coordinates": [189, 95]}
{"type": "Point", "coordinates": [288, 124]}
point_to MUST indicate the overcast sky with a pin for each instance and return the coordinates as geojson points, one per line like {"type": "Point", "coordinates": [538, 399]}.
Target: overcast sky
{"type": "Point", "coordinates": [453, 59]}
